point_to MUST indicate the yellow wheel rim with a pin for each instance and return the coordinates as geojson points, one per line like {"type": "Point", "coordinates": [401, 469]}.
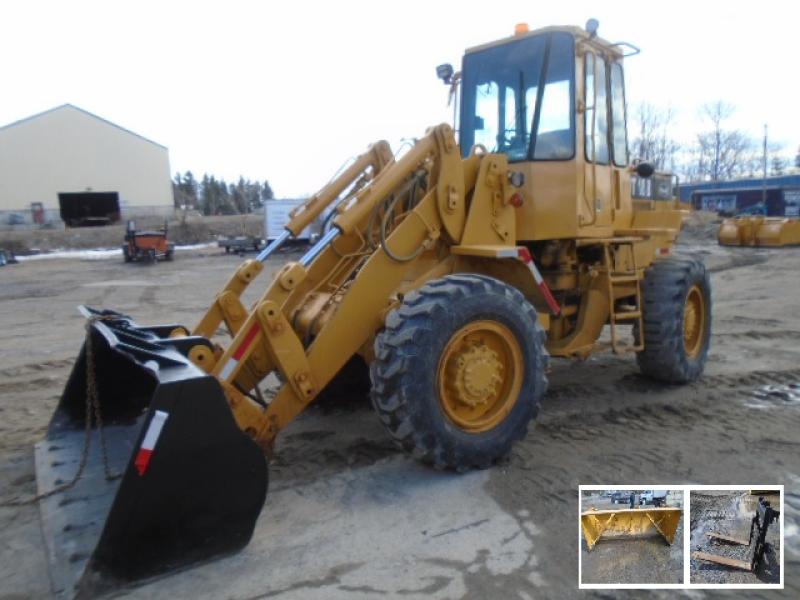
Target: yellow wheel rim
{"type": "Point", "coordinates": [480, 375]}
{"type": "Point", "coordinates": [694, 322]}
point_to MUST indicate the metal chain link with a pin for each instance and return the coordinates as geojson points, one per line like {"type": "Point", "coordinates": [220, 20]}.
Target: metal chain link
{"type": "Point", "coordinates": [92, 407]}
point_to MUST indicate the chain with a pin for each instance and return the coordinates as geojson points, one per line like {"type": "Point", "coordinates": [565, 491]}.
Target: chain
{"type": "Point", "coordinates": [92, 407]}
{"type": "Point", "coordinates": [93, 400]}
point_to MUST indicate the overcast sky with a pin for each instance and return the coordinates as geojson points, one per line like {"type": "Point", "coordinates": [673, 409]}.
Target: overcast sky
{"type": "Point", "coordinates": [287, 91]}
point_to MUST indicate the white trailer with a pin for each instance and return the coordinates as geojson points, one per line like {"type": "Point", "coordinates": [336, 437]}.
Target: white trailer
{"type": "Point", "coordinates": [276, 217]}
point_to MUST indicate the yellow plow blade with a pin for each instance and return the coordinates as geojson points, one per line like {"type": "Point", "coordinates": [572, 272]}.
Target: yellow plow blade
{"type": "Point", "coordinates": [629, 522]}
{"type": "Point", "coordinates": [760, 231]}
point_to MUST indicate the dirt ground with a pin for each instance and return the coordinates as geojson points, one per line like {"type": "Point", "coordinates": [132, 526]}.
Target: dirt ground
{"type": "Point", "coordinates": [730, 513]}
{"type": "Point", "coordinates": [641, 559]}
{"type": "Point", "coordinates": [349, 516]}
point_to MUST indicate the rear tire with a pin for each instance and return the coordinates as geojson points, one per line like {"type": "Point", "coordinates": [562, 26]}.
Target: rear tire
{"type": "Point", "coordinates": [459, 371]}
{"type": "Point", "coordinates": [677, 320]}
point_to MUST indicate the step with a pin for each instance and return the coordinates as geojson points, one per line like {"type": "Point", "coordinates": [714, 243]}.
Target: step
{"type": "Point", "coordinates": [620, 349]}
{"type": "Point", "coordinates": [623, 308]}
{"type": "Point", "coordinates": [625, 316]}
{"type": "Point", "coordinates": [624, 278]}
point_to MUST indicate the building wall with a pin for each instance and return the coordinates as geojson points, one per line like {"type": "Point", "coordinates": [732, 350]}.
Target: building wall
{"type": "Point", "coordinates": [69, 150]}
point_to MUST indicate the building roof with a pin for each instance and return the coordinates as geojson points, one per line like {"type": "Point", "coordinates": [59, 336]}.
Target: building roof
{"type": "Point", "coordinates": [728, 190]}
{"type": "Point", "coordinates": [86, 112]}
{"type": "Point", "coordinates": [774, 182]}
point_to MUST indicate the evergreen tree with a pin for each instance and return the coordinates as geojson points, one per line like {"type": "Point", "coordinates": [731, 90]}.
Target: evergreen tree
{"type": "Point", "coordinates": [216, 197]}
{"type": "Point", "coordinates": [266, 192]}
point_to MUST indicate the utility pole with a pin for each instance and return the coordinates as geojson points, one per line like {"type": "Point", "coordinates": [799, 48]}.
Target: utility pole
{"type": "Point", "coordinates": [764, 180]}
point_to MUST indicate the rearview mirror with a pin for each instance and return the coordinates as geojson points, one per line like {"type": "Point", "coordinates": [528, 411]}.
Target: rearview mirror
{"type": "Point", "coordinates": [478, 123]}
{"type": "Point", "coordinates": [445, 73]}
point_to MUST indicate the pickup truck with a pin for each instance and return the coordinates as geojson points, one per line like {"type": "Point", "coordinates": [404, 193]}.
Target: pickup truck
{"type": "Point", "coordinates": [620, 498]}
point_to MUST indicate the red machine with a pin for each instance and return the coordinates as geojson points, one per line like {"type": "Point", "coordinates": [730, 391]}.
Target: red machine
{"type": "Point", "coordinates": [149, 246]}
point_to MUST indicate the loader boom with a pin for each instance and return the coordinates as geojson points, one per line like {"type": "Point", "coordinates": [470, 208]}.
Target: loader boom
{"type": "Point", "coordinates": [226, 307]}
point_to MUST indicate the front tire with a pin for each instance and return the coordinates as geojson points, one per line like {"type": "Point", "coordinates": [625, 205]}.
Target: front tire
{"type": "Point", "coordinates": [677, 320]}
{"type": "Point", "coordinates": [459, 371]}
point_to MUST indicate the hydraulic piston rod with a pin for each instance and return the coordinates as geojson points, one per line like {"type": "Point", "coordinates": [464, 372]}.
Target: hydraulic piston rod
{"type": "Point", "coordinates": [320, 246]}
{"type": "Point", "coordinates": [273, 246]}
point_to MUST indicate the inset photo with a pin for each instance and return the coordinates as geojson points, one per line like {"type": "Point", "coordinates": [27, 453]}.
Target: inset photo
{"type": "Point", "coordinates": [631, 536]}
{"type": "Point", "coordinates": [735, 536]}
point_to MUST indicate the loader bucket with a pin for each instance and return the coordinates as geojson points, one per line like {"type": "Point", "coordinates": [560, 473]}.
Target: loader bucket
{"type": "Point", "coordinates": [760, 231]}
{"type": "Point", "coordinates": [190, 483]}
{"type": "Point", "coordinates": [629, 522]}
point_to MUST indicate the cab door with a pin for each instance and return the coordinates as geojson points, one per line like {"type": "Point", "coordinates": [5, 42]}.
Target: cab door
{"type": "Point", "coordinates": [622, 213]}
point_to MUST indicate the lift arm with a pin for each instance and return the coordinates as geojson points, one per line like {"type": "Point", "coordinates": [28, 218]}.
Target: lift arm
{"type": "Point", "coordinates": [226, 306]}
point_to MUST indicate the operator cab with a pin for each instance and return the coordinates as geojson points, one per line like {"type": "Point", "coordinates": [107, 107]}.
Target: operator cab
{"type": "Point", "coordinates": [532, 97]}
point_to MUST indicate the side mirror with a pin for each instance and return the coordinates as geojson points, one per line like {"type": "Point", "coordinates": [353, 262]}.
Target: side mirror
{"type": "Point", "coordinates": [445, 73]}
{"type": "Point", "coordinates": [644, 169]}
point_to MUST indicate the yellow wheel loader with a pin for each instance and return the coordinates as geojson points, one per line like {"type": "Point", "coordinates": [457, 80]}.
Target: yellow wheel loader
{"type": "Point", "coordinates": [455, 270]}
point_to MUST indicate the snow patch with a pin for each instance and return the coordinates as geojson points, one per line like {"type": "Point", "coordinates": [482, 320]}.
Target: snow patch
{"type": "Point", "coordinates": [98, 253]}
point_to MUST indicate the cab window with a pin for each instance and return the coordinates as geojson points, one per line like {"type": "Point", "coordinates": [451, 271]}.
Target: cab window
{"type": "Point", "coordinates": [518, 98]}
{"type": "Point", "coordinates": [596, 114]}
{"type": "Point", "coordinates": [619, 129]}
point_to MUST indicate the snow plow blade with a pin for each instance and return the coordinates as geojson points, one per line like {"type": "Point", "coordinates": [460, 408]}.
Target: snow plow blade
{"type": "Point", "coordinates": [186, 483]}
{"type": "Point", "coordinates": [760, 231]}
{"type": "Point", "coordinates": [629, 522]}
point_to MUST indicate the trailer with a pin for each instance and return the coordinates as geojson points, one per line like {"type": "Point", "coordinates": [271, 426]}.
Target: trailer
{"type": "Point", "coordinates": [278, 214]}
{"type": "Point", "coordinates": [146, 246]}
{"type": "Point", "coordinates": [240, 243]}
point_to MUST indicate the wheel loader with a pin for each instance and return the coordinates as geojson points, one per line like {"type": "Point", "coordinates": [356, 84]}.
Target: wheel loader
{"type": "Point", "coordinates": [455, 270]}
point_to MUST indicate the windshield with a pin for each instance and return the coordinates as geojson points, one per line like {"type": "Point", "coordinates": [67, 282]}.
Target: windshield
{"type": "Point", "coordinates": [512, 90]}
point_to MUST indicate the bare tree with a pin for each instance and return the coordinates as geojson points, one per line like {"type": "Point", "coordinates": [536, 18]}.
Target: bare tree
{"type": "Point", "coordinates": [653, 141]}
{"type": "Point", "coordinates": [778, 161]}
{"type": "Point", "coordinates": [721, 153]}
{"type": "Point", "coordinates": [778, 165]}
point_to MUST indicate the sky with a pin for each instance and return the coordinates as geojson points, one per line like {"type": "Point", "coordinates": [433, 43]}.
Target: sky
{"type": "Point", "coordinates": [288, 91]}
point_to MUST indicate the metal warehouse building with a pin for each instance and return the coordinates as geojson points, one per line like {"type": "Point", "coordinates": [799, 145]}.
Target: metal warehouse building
{"type": "Point", "coordinates": [68, 166]}
{"type": "Point", "coordinates": [782, 194]}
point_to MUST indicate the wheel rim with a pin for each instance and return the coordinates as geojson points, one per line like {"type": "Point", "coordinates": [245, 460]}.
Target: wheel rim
{"type": "Point", "coordinates": [480, 375]}
{"type": "Point", "coordinates": [694, 322]}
